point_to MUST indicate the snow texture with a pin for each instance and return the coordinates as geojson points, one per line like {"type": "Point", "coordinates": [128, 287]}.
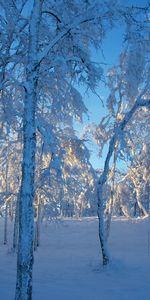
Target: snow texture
{"type": "Point", "coordinates": [67, 264]}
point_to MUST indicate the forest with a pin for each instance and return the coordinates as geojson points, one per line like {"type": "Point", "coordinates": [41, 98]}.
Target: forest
{"type": "Point", "coordinates": [51, 59]}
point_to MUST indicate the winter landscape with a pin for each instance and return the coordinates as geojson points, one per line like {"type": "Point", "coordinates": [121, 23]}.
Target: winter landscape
{"type": "Point", "coordinates": [68, 263]}
{"type": "Point", "coordinates": [74, 150]}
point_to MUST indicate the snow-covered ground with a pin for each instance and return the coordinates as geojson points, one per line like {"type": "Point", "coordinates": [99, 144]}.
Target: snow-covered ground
{"type": "Point", "coordinates": [68, 263]}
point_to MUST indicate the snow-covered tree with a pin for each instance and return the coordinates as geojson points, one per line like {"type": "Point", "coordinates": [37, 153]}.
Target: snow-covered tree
{"type": "Point", "coordinates": [45, 53]}
{"type": "Point", "coordinates": [129, 94]}
{"type": "Point", "coordinates": [52, 41]}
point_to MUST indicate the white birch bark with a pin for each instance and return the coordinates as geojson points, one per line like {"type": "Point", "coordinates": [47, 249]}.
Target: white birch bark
{"type": "Point", "coordinates": [6, 223]}
{"type": "Point", "coordinates": [138, 191]}
{"type": "Point", "coordinates": [16, 225]}
{"type": "Point", "coordinates": [26, 214]}
{"type": "Point", "coordinates": [37, 223]}
{"type": "Point", "coordinates": [111, 200]}
{"type": "Point", "coordinates": [138, 197]}
{"type": "Point", "coordinates": [6, 204]}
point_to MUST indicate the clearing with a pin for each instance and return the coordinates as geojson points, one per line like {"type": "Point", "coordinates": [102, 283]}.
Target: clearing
{"type": "Point", "coordinates": [68, 262]}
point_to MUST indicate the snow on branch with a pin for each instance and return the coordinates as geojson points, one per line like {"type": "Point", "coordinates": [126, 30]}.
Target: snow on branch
{"type": "Point", "coordinates": [118, 132]}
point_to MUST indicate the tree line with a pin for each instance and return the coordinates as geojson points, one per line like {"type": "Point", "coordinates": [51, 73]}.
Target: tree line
{"type": "Point", "coordinates": [46, 53]}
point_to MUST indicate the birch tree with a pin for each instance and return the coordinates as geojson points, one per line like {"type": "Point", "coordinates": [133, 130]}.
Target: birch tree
{"type": "Point", "coordinates": [129, 91]}
{"type": "Point", "coordinates": [25, 246]}
{"type": "Point", "coordinates": [122, 120]}
{"type": "Point", "coordinates": [40, 55]}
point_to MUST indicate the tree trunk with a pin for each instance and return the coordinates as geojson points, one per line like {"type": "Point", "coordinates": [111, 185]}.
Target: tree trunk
{"type": "Point", "coordinates": [37, 223]}
{"type": "Point", "coordinates": [141, 207]}
{"type": "Point", "coordinates": [112, 194]}
{"type": "Point", "coordinates": [6, 202]}
{"type": "Point", "coordinates": [16, 225]}
{"type": "Point", "coordinates": [26, 213]}
{"type": "Point", "coordinates": [102, 237]}
{"type": "Point", "coordinates": [6, 222]}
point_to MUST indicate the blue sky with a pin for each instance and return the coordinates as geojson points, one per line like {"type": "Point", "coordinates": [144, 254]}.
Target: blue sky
{"type": "Point", "coordinates": [112, 46]}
